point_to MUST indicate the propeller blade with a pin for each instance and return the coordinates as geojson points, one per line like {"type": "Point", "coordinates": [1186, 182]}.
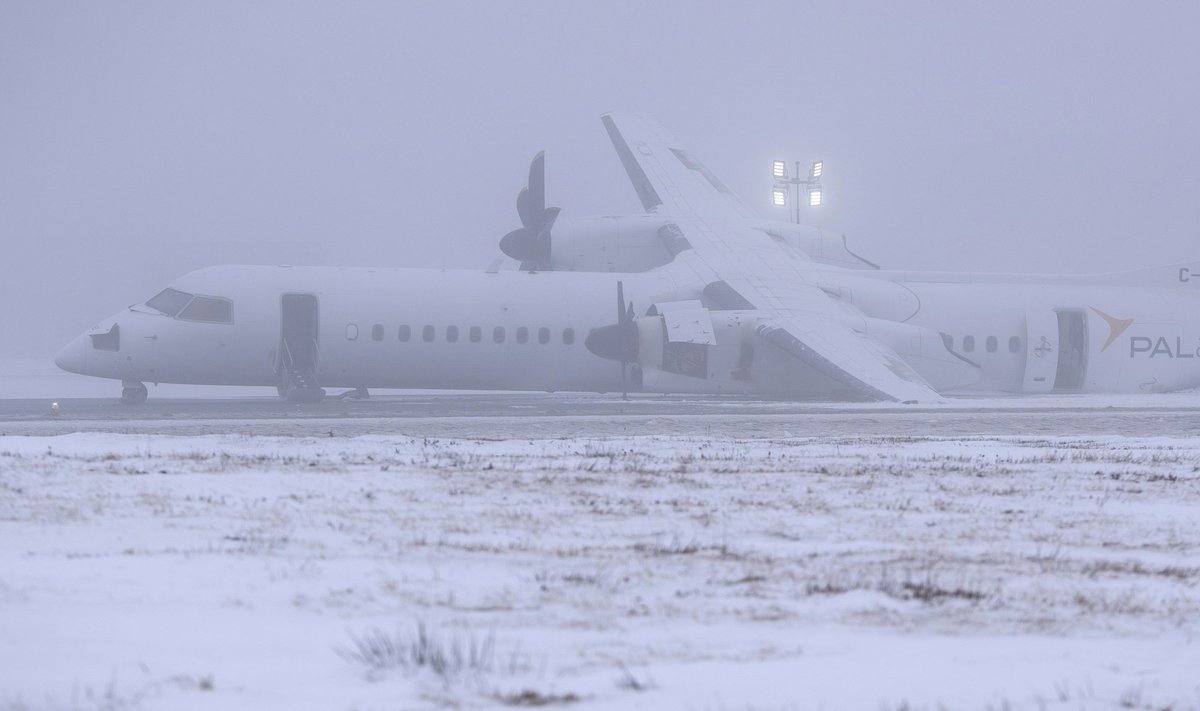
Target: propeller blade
{"type": "Point", "coordinates": [618, 341]}
{"type": "Point", "coordinates": [525, 210]}
{"type": "Point", "coordinates": [531, 201]}
{"type": "Point", "coordinates": [531, 244]}
{"type": "Point", "coordinates": [549, 215]}
{"type": "Point", "coordinates": [629, 337]}
{"type": "Point", "coordinates": [537, 183]}
{"type": "Point", "coordinates": [521, 244]}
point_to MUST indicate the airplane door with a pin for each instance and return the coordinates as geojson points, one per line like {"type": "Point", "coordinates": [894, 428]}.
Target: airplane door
{"type": "Point", "coordinates": [299, 351]}
{"type": "Point", "coordinates": [1041, 351]}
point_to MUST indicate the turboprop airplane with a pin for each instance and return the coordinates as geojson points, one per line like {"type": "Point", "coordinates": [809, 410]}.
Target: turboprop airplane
{"type": "Point", "coordinates": [709, 298]}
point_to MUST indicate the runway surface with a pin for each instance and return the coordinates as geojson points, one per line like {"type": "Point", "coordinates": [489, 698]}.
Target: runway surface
{"type": "Point", "coordinates": [504, 415]}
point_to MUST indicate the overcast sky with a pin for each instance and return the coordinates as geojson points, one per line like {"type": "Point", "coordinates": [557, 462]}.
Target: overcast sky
{"type": "Point", "coordinates": [139, 141]}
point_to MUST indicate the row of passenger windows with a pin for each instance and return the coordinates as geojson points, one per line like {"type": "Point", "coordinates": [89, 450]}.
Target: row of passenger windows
{"type": "Point", "coordinates": [990, 344]}
{"type": "Point", "coordinates": [451, 334]}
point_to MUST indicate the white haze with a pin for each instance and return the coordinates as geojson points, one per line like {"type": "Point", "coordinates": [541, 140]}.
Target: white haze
{"type": "Point", "coordinates": [139, 141]}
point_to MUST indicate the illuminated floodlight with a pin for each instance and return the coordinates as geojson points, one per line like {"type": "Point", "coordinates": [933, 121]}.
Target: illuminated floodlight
{"type": "Point", "coordinates": [779, 169]}
{"type": "Point", "coordinates": [814, 198]}
{"type": "Point", "coordinates": [779, 197]}
{"type": "Point", "coordinates": [816, 170]}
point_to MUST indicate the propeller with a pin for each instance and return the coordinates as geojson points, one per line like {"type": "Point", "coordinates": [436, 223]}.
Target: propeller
{"type": "Point", "coordinates": [618, 341]}
{"type": "Point", "coordinates": [530, 243]}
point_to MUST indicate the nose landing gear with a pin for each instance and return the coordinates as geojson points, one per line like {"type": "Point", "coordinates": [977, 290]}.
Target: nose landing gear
{"type": "Point", "coordinates": [133, 393]}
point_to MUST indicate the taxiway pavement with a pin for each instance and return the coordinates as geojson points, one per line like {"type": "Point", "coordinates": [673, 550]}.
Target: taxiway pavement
{"type": "Point", "coordinates": [505, 415]}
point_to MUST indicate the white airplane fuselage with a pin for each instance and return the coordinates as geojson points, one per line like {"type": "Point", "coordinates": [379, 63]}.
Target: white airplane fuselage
{"type": "Point", "coordinates": [1129, 338]}
{"type": "Point", "coordinates": [511, 330]}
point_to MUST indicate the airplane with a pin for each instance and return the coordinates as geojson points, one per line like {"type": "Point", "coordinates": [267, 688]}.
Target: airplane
{"type": "Point", "coordinates": [709, 299]}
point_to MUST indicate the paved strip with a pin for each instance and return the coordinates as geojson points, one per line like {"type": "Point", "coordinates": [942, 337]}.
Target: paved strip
{"type": "Point", "coordinates": [507, 415]}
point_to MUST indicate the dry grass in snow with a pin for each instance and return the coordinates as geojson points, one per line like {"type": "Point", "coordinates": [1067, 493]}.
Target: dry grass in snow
{"type": "Point", "coordinates": [649, 572]}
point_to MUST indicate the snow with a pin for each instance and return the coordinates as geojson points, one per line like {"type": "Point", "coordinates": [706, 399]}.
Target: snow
{"type": "Point", "coordinates": [237, 572]}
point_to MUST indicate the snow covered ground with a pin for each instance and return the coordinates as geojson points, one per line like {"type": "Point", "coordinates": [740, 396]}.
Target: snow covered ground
{"type": "Point", "coordinates": [390, 572]}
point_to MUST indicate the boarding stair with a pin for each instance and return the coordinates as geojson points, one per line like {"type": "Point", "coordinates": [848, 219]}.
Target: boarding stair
{"type": "Point", "coordinates": [297, 371]}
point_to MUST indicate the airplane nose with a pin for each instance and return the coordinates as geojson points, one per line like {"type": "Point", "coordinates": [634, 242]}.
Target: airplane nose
{"type": "Point", "coordinates": [71, 358]}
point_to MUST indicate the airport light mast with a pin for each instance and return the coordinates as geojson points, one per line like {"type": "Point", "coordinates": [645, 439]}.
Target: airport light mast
{"type": "Point", "coordinates": [810, 185]}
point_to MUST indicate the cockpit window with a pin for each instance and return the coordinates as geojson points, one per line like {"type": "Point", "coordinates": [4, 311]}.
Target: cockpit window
{"type": "Point", "coordinates": [169, 301]}
{"type": "Point", "coordinates": [209, 309]}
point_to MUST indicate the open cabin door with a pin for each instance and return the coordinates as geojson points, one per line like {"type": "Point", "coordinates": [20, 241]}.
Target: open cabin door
{"type": "Point", "coordinates": [1071, 373]}
{"type": "Point", "coordinates": [1056, 351]}
{"type": "Point", "coordinates": [1041, 351]}
{"type": "Point", "coordinates": [299, 354]}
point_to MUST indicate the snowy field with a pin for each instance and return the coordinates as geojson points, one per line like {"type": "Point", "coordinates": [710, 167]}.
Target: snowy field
{"type": "Point", "coordinates": [390, 572]}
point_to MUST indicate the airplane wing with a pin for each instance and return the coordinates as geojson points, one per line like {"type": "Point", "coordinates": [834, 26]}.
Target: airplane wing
{"type": "Point", "coordinates": [745, 268]}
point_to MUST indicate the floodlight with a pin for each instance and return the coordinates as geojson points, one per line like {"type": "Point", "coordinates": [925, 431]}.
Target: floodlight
{"type": "Point", "coordinates": [814, 198]}
{"type": "Point", "coordinates": [779, 197]}
{"type": "Point", "coordinates": [779, 169]}
{"type": "Point", "coordinates": [816, 170]}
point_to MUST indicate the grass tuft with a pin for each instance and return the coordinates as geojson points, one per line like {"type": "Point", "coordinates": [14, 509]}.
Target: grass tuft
{"type": "Point", "coordinates": [531, 698]}
{"type": "Point", "coordinates": [447, 657]}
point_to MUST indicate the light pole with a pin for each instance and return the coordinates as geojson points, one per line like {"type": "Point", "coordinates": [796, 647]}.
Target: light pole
{"type": "Point", "coordinates": [810, 185]}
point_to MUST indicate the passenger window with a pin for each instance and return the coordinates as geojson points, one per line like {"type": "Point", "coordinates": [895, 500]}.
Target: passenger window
{"type": "Point", "coordinates": [522, 335]}
{"type": "Point", "coordinates": [543, 335]}
{"type": "Point", "coordinates": [968, 343]}
{"type": "Point", "coordinates": [351, 332]}
{"type": "Point", "coordinates": [404, 333]}
{"type": "Point", "coordinates": [568, 336]}
{"type": "Point", "coordinates": [990, 344]}
{"type": "Point", "coordinates": [169, 301]}
{"type": "Point", "coordinates": [452, 334]}
{"type": "Point", "coordinates": [1014, 344]}
{"type": "Point", "coordinates": [427, 334]}
{"type": "Point", "coordinates": [498, 334]}
{"type": "Point", "coordinates": [948, 340]}
{"type": "Point", "coordinates": [377, 332]}
{"type": "Point", "coordinates": [209, 310]}
{"type": "Point", "coordinates": [476, 334]}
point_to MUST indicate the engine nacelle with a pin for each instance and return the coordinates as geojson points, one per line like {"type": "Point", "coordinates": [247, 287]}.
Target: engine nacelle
{"type": "Point", "coordinates": [687, 348]}
{"type": "Point", "coordinates": [617, 243]}
{"type": "Point", "coordinates": [632, 243]}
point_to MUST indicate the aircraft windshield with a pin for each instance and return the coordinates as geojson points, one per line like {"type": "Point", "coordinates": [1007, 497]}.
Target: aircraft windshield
{"type": "Point", "coordinates": [209, 309]}
{"type": "Point", "coordinates": [169, 301]}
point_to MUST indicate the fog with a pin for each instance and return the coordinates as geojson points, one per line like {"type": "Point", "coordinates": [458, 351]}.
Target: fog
{"type": "Point", "coordinates": [139, 141]}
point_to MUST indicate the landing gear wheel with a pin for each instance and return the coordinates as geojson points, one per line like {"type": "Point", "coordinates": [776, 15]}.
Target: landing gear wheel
{"type": "Point", "coordinates": [134, 394]}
